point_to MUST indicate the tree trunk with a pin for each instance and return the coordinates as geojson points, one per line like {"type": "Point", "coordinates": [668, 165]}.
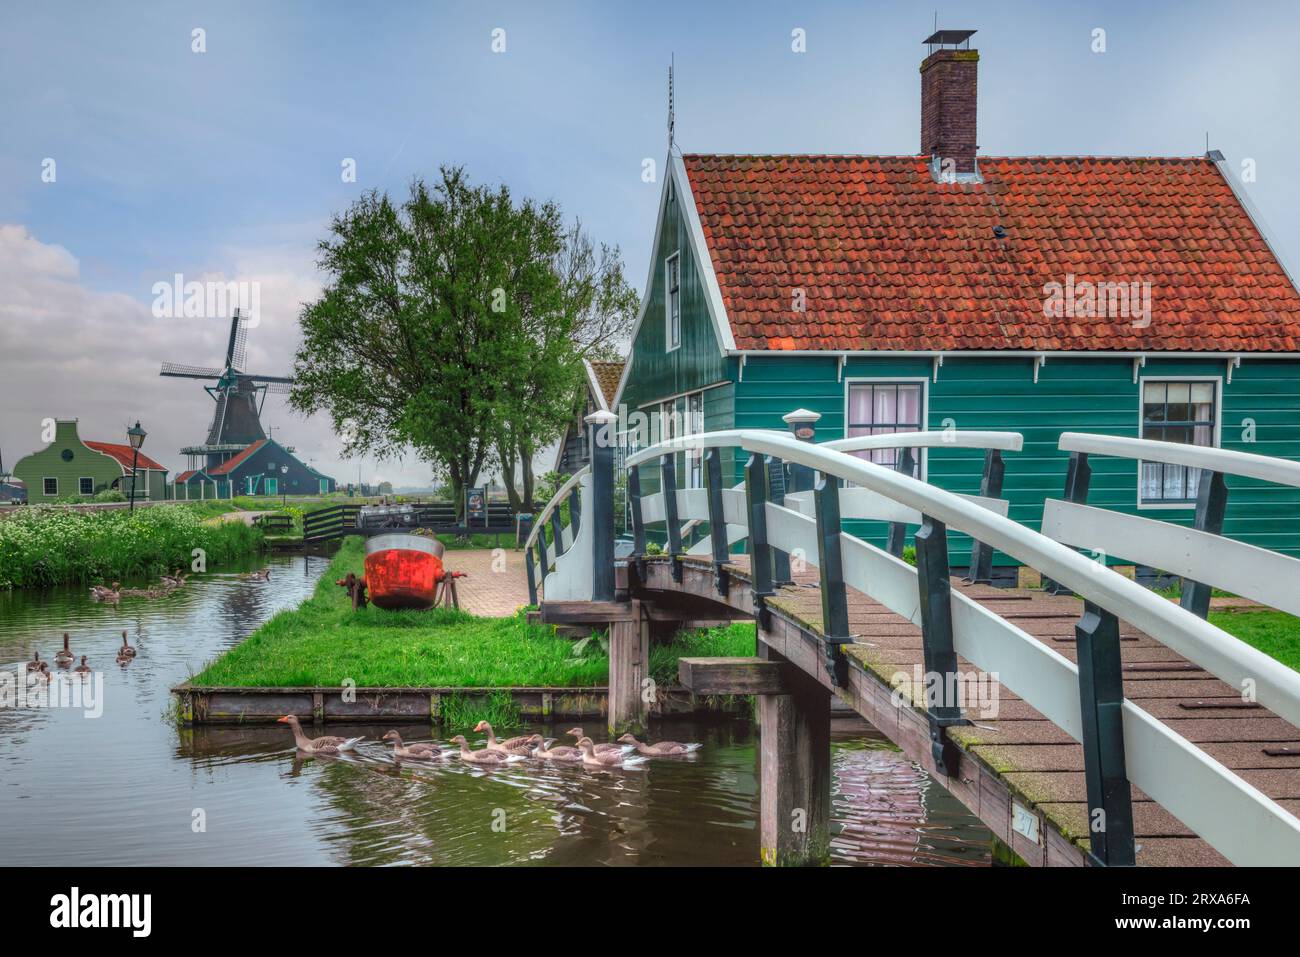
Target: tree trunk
{"type": "Point", "coordinates": [526, 467]}
{"type": "Point", "coordinates": [508, 460]}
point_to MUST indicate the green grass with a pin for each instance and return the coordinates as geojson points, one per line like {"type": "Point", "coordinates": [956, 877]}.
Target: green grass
{"type": "Point", "coordinates": [323, 642]}
{"type": "Point", "coordinates": [41, 546]}
{"type": "Point", "coordinates": [1275, 633]}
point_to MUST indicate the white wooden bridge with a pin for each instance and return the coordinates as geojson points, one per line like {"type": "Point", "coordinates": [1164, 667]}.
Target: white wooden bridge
{"type": "Point", "coordinates": [1115, 727]}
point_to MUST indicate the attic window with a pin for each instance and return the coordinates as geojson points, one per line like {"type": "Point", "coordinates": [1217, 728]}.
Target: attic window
{"type": "Point", "coordinates": [673, 303]}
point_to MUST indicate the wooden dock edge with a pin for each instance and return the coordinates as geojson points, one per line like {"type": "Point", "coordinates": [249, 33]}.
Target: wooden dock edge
{"type": "Point", "coordinates": [234, 705]}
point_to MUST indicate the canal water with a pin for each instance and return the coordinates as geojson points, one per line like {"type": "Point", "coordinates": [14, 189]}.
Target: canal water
{"type": "Point", "coordinates": [132, 788]}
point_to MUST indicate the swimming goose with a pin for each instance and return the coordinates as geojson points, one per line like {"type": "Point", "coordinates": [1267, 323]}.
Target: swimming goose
{"type": "Point", "coordinates": [64, 658]}
{"type": "Point", "coordinates": [126, 651]}
{"type": "Point", "coordinates": [325, 744]}
{"type": "Point", "coordinates": [602, 748]}
{"type": "Point", "coordinates": [414, 752]}
{"type": "Point", "coordinates": [661, 749]}
{"type": "Point", "coordinates": [561, 753]}
{"type": "Point", "coordinates": [35, 664]}
{"type": "Point", "coordinates": [607, 759]}
{"type": "Point", "coordinates": [485, 756]}
{"type": "Point", "coordinates": [509, 744]}
{"type": "Point", "coordinates": [262, 576]}
{"type": "Point", "coordinates": [83, 668]}
{"type": "Point", "coordinates": [100, 593]}
{"type": "Point", "coordinates": [43, 673]}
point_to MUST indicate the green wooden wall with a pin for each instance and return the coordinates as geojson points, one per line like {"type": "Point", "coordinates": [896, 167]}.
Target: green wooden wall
{"type": "Point", "coordinates": [52, 462]}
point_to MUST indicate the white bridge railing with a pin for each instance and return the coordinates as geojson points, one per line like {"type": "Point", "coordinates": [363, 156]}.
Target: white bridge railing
{"type": "Point", "coordinates": [1122, 743]}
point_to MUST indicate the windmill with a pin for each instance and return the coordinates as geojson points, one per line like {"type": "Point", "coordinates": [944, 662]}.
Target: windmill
{"type": "Point", "coordinates": [239, 395]}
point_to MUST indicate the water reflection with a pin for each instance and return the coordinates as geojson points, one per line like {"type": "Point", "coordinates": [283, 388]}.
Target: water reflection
{"type": "Point", "coordinates": [132, 788]}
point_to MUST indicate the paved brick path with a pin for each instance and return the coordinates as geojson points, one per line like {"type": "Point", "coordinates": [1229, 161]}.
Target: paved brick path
{"type": "Point", "coordinates": [497, 584]}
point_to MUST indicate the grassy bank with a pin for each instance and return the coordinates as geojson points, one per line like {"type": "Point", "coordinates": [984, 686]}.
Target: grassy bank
{"type": "Point", "coordinates": [323, 642]}
{"type": "Point", "coordinates": [40, 547]}
{"type": "Point", "coordinates": [1275, 633]}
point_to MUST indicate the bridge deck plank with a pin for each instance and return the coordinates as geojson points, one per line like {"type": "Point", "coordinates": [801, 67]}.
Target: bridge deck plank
{"type": "Point", "coordinates": [1020, 755]}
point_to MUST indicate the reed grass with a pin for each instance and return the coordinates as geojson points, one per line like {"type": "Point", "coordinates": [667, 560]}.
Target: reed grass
{"type": "Point", "coordinates": [45, 546]}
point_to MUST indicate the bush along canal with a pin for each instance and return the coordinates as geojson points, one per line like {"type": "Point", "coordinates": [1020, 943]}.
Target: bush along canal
{"type": "Point", "coordinates": [141, 788]}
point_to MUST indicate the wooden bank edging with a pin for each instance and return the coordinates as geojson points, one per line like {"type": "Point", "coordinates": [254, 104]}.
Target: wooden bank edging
{"type": "Point", "coordinates": [228, 705]}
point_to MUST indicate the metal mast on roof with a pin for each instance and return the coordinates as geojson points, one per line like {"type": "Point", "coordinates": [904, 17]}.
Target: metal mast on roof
{"type": "Point", "coordinates": [671, 116]}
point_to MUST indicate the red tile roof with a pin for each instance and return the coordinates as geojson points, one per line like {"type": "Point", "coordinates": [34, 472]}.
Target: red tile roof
{"type": "Point", "coordinates": [185, 476]}
{"type": "Point", "coordinates": [235, 459]}
{"type": "Point", "coordinates": [123, 454]}
{"type": "Point", "coordinates": [887, 258]}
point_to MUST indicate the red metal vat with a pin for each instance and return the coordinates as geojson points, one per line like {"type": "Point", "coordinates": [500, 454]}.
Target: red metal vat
{"type": "Point", "coordinates": [403, 571]}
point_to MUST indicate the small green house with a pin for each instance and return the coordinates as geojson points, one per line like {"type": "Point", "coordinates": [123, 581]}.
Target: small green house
{"type": "Point", "coordinates": [70, 467]}
{"type": "Point", "coordinates": [1134, 296]}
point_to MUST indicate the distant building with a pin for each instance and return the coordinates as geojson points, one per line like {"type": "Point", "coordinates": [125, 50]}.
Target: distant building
{"type": "Point", "coordinates": [599, 389]}
{"type": "Point", "coordinates": [264, 467]}
{"type": "Point", "coordinates": [71, 467]}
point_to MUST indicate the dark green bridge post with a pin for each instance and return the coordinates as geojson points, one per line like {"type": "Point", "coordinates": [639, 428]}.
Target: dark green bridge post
{"type": "Point", "coordinates": [981, 555]}
{"type": "Point", "coordinates": [668, 482]}
{"type": "Point", "coordinates": [905, 463]}
{"type": "Point", "coordinates": [942, 701]}
{"type": "Point", "coordinates": [1077, 479]}
{"type": "Point", "coordinates": [1101, 706]}
{"type": "Point", "coordinates": [717, 520]}
{"type": "Point", "coordinates": [757, 494]}
{"type": "Point", "coordinates": [803, 426]}
{"type": "Point", "coordinates": [602, 505]}
{"type": "Point", "coordinates": [835, 602]}
{"type": "Point", "coordinates": [1211, 503]}
{"type": "Point", "coordinates": [638, 522]}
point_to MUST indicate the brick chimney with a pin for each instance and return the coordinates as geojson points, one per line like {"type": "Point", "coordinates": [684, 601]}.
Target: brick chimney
{"type": "Point", "coordinates": [948, 97]}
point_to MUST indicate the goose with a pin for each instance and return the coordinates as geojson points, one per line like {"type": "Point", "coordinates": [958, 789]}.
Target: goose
{"type": "Point", "coordinates": [561, 753]}
{"type": "Point", "coordinates": [326, 744]}
{"type": "Point", "coordinates": [43, 673]}
{"type": "Point", "coordinates": [35, 664]}
{"type": "Point", "coordinates": [520, 744]}
{"type": "Point", "coordinates": [83, 668]}
{"type": "Point", "coordinates": [262, 576]}
{"type": "Point", "coordinates": [661, 749]}
{"type": "Point", "coordinates": [485, 756]}
{"type": "Point", "coordinates": [601, 748]}
{"type": "Point", "coordinates": [100, 593]}
{"type": "Point", "coordinates": [414, 752]}
{"type": "Point", "coordinates": [607, 759]}
{"type": "Point", "coordinates": [126, 651]}
{"type": "Point", "coordinates": [64, 658]}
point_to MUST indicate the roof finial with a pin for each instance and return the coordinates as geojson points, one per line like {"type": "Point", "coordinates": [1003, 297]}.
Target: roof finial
{"type": "Point", "coordinates": [671, 118]}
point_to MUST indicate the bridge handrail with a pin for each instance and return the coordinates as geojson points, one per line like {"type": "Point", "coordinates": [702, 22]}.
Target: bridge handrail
{"type": "Point", "coordinates": [1224, 655]}
{"type": "Point", "coordinates": [1248, 464]}
{"type": "Point", "coordinates": [556, 500]}
{"type": "Point", "coordinates": [944, 438]}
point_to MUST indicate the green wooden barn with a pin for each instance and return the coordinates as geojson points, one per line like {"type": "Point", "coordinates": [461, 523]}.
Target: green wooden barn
{"type": "Point", "coordinates": [1133, 296]}
{"type": "Point", "coordinates": [71, 467]}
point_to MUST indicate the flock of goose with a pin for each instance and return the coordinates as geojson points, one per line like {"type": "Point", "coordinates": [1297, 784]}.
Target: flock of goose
{"type": "Point", "coordinates": [64, 658]}
{"type": "Point", "coordinates": [627, 752]}
{"type": "Point", "coordinates": [113, 595]}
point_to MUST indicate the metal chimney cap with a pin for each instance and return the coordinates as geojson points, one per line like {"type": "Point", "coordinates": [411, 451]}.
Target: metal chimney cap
{"type": "Point", "coordinates": [800, 415]}
{"type": "Point", "coordinates": [949, 36]}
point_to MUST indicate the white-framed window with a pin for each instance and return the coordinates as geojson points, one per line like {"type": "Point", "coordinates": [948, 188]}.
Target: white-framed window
{"type": "Point", "coordinates": [694, 425]}
{"type": "Point", "coordinates": [1182, 410]}
{"type": "Point", "coordinates": [673, 302]}
{"type": "Point", "coordinates": [85, 486]}
{"type": "Point", "coordinates": [50, 486]}
{"type": "Point", "coordinates": [881, 406]}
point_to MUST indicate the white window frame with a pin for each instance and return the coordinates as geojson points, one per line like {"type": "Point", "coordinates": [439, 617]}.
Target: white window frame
{"type": "Point", "coordinates": [85, 478]}
{"type": "Point", "coordinates": [923, 381]}
{"type": "Point", "coordinates": [50, 478]}
{"type": "Point", "coordinates": [1218, 432]}
{"type": "Point", "coordinates": [694, 457]}
{"type": "Point", "coordinates": [669, 345]}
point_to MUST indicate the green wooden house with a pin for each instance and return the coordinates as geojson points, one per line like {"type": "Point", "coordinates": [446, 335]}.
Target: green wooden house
{"type": "Point", "coordinates": [70, 467]}
{"type": "Point", "coordinates": [1131, 296]}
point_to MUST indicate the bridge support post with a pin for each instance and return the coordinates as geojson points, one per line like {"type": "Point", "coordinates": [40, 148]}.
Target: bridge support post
{"type": "Point", "coordinates": [897, 541]}
{"type": "Point", "coordinates": [638, 522]}
{"type": "Point", "coordinates": [532, 576]}
{"type": "Point", "coordinates": [796, 477]}
{"type": "Point", "coordinates": [1077, 479]}
{"type": "Point", "coordinates": [602, 505]}
{"type": "Point", "coordinates": [1101, 701]}
{"type": "Point", "coordinates": [776, 494]}
{"type": "Point", "coordinates": [830, 564]}
{"type": "Point", "coordinates": [717, 520]}
{"type": "Point", "coordinates": [942, 679]}
{"type": "Point", "coordinates": [629, 666]}
{"type": "Point", "coordinates": [542, 564]}
{"type": "Point", "coordinates": [1211, 503]}
{"type": "Point", "coordinates": [757, 493]}
{"type": "Point", "coordinates": [981, 555]}
{"type": "Point", "coordinates": [795, 772]}
{"type": "Point", "coordinates": [668, 483]}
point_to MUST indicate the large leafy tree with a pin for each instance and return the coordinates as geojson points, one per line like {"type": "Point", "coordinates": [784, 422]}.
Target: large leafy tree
{"type": "Point", "coordinates": [419, 335]}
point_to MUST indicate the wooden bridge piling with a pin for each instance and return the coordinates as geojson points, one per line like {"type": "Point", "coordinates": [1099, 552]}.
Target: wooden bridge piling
{"type": "Point", "coordinates": [629, 670]}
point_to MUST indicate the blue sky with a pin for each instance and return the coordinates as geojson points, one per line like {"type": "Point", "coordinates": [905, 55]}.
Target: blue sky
{"type": "Point", "coordinates": [227, 163]}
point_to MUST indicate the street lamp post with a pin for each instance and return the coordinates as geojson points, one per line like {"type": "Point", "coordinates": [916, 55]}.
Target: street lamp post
{"type": "Point", "coordinates": [284, 488]}
{"type": "Point", "coordinates": [136, 435]}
